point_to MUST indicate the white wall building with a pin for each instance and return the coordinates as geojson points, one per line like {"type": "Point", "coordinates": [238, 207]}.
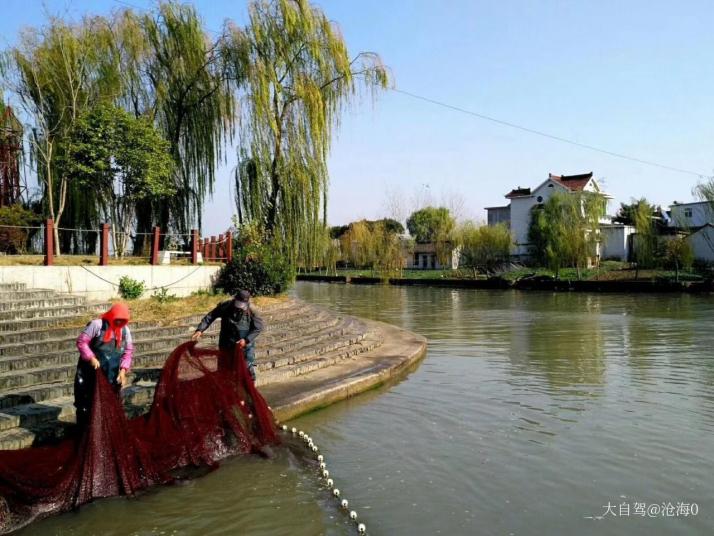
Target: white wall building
{"type": "Point", "coordinates": [689, 215]}
{"type": "Point", "coordinates": [698, 218]}
{"type": "Point", "coordinates": [702, 243]}
{"type": "Point", "coordinates": [616, 241]}
{"type": "Point", "coordinates": [424, 257]}
{"type": "Point", "coordinates": [522, 200]}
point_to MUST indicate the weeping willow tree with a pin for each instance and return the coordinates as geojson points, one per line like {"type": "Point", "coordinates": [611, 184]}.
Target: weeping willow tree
{"type": "Point", "coordinates": [192, 97]}
{"type": "Point", "coordinates": [299, 78]}
{"type": "Point", "coordinates": [186, 82]}
{"type": "Point", "coordinates": [564, 231]}
{"type": "Point", "coordinates": [162, 66]}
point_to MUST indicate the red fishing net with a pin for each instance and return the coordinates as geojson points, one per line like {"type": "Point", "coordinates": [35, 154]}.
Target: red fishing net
{"type": "Point", "coordinates": [205, 408]}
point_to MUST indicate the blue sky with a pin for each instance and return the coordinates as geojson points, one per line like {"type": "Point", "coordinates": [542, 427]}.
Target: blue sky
{"type": "Point", "coordinates": [631, 77]}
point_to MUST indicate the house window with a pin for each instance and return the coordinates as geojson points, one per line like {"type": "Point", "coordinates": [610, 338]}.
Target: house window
{"type": "Point", "coordinates": [539, 199]}
{"type": "Point", "coordinates": [687, 212]}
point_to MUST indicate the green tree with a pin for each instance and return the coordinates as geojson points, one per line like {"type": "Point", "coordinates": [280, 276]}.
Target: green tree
{"type": "Point", "coordinates": [161, 65]}
{"type": "Point", "coordinates": [564, 231]}
{"type": "Point", "coordinates": [56, 73]}
{"type": "Point", "coordinates": [627, 211]}
{"type": "Point", "coordinates": [299, 79]}
{"type": "Point", "coordinates": [485, 247]}
{"type": "Point", "coordinates": [187, 81]}
{"type": "Point", "coordinates": [373, 245]}
{"type": "Point", "coordinates": [434, 225]}
{"type": "Point", "coordinates": [430, 224]}
{"type": "Point", "coordinates": [679, 253]}
{"type": "Point", "coordinates": [645, 239]}
{"type": "Point", "coordinates": [124, 159]}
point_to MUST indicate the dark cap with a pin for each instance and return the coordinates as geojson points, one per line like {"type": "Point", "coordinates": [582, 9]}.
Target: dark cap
{"type": "Point", "coordinates": [243, 296]}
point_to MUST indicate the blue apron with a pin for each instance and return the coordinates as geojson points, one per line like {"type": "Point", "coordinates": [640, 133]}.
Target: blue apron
{"type": "Point", "coordinates": [109, 356]}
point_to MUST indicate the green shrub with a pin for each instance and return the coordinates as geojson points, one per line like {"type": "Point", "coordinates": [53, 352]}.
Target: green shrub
{"type": "Point", "coordinates": [258, 266]}
{"type": "Point", "coordinates": [260, 278]}
{"type": "Point", "coordinates": [13, 239]}
{"type": "Point", "coordinates": [162, 296]}
{"type": "Point", "coordinates": [130, 289]}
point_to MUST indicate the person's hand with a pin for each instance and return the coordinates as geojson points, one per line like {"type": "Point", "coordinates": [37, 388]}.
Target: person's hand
{"type": "Point", "coordinates": [241, 343]}
{"type": "Point", "coordinates": [94, 362]}
{"type": "Point", "coordinates": [196, 335]}
{"type": "Point", "coordinates": [121, 380]}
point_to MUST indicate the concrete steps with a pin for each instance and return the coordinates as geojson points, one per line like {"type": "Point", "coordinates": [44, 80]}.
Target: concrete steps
{"type": "Point", "coordinates": [38, 356]}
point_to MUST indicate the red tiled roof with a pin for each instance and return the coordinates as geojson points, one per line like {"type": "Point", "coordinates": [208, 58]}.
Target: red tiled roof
{"type": "Point", "coordinates": [572, 182]}
{"type": "Point", "coordinates": [518, 192]}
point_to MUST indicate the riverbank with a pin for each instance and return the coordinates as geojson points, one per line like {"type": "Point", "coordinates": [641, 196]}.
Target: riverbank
{"type": "Point", "coordinates": [308, 356]}
{"type": "Point", "coordinates": [400, 351]}
{"type": "Point", "coordinates": [535, 283]}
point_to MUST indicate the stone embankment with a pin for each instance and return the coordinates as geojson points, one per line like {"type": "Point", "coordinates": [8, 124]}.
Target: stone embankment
{"type": "Point", "coordinates": [529, 283]}
{"type": "Point", "coordinates": [308, 357]}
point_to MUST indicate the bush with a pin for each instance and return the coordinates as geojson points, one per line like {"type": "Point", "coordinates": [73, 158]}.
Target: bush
{"type": "Point", "coordinates": [162, 295]}
{"type": "Point", "coordinates": [258, 266]}
{"type": "Point", "coordinates": [259, 278]}
{"type": "Point", "coordinates": [13, 240]}
{"type": "Point", "coordinates": [130, 289]}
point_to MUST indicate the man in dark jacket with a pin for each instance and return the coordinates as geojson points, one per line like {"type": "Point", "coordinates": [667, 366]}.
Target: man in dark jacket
{"type": "Point", "coordinates": [240, 324]}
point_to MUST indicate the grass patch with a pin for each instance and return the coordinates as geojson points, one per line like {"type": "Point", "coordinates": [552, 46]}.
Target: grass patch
{"type": "Point", "coordinates": [607, 271]}
{"type": "Point", "coordinates": [171, 312]}
{"type": "Point", "coordinates": [168, 313]}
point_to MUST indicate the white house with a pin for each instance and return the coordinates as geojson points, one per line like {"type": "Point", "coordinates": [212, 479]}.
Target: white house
{"type": "Point", "coordinates": [424, 257]}
{"type": "Point", "coordinates": [691, 215]}
{"type": "Point", "coordinates": [517, 214]}
{"type": "Point", "coordinates": [697, 218]}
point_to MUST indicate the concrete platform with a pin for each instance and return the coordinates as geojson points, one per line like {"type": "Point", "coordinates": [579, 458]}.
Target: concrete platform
{"type": "Point", "coordinates": [398, 354]}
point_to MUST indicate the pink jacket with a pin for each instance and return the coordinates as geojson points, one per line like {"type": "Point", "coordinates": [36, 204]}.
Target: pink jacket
{"type": "Point", "coordinates": [91, 331]}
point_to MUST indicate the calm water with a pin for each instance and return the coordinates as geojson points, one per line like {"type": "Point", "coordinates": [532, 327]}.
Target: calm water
{"type": "Point", "coordinates": [530, 414]}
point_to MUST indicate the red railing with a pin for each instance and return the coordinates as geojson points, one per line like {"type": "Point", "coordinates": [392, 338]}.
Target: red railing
{"type": "Point", "coordinates": [218, 249]}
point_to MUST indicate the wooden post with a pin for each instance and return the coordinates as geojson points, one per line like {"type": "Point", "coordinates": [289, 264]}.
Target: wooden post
{"type": "Point", "coordinates": [212, 249]}
{"type": "Point", "coordinates": [194, 246]}
{"type": "Point", "coordinates": [220, 248]}
{"type": "Point", "coordinates": [155, 246]}
{"type": "Point", "coordinates": [104, 245]}
{"type": "Point", "coordinates": [229, 246]}
{"type": "Point", "coordinates": [204, 241]}
{"type": "Point", "coordinates": [49, 242]}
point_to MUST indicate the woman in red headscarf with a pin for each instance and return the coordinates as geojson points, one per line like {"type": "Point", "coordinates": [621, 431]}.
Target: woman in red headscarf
{"type": "Point", "coordinates": [106, 345]}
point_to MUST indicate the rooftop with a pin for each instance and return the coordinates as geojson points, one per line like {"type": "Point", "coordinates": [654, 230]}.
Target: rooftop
{"type": "Point", "coordinates": [518, 192]}
{"type": "Point", "coordinates": [575, 183]}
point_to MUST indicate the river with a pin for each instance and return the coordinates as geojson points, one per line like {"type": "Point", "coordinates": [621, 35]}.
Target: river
{"type": "Point", "coordinates": [532, 414]}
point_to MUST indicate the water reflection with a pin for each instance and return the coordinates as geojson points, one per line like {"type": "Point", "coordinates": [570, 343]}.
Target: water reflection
{"type": "Point", "coordinates": [532, 410]}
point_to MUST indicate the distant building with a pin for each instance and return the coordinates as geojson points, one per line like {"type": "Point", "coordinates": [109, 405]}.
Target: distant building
{"type": "Point", "coordinates": [691, 215]}
{"type": "Point", "coordinates": [517, 214]}
{"type": "Point", "coordinates": [424, 257]}
{"type": "Point", "coordinates": [702, 243]}
{"type": "Point", "coordinates": [696, 218]}
{"type": "Point", "coordinates": [616, 241]}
